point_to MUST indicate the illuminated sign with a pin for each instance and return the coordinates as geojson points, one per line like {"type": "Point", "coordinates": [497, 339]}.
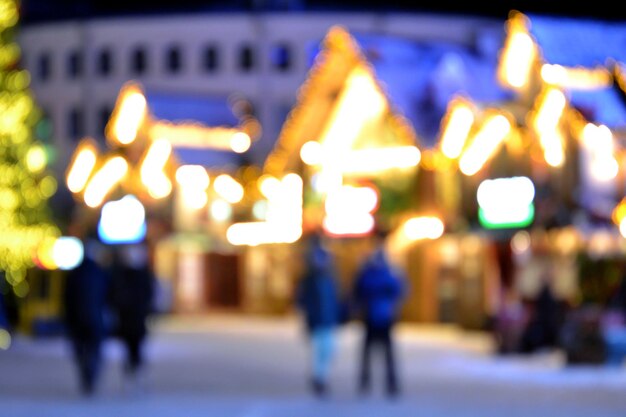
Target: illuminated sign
{"type": "Point", "coordinates": [506, 203]}
{"type": "Point", "coordinates": [122, 221]}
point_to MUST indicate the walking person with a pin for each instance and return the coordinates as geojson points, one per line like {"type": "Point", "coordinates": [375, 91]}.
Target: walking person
{"type": "Point", "coordinates": [132, 293]}
{"type": "Point", "coordinates": [317, 297]}
{"type": "Point", "coordinates": [85, 294]}
{"type": "Point", "coordinates": [378, 291]}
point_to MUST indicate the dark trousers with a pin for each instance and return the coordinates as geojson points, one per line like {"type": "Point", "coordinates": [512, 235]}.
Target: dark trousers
{"type": "Point", "coordinates": [134, 354]}
{"type": "Point", "coordinates": [378, 337]}
{"type": "Point", "coordinates": [87, 353]}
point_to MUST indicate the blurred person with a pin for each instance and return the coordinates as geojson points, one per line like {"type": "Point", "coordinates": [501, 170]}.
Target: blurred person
{"type": "Point", "coordinates": [614, 326]}
{"type": "Point", "coordinates": [85, 308]}
{"type": "Point", "coordinates": [378, 291]}
{"type": "Point", "coordinates": [131, 296]}
{"type": "Point", "coordinates": [543, 325]}
{"type": "Point", "coordinates": [317, 297]}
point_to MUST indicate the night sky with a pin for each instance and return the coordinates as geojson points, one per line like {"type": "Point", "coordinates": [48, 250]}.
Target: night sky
{"type": "Point", "coordinates": [42, 10]}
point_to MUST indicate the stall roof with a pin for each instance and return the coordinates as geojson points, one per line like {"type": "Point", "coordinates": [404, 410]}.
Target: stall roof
{"type": "Point", "coordinates": [179, 108]}
{"type": "Point", "coordinates": [420, 78]}
{"type": "Point", "coordinates": [579, 42]}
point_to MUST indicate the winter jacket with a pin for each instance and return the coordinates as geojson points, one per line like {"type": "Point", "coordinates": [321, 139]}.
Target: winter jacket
{"type": "Point", "coordinates": [378, 291]}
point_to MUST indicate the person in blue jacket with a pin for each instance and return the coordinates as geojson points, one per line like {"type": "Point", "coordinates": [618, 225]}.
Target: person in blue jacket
{"type": "Point", "coordinates": [378, 292]}
{"type": "Point", "coordinates": [317, 297]}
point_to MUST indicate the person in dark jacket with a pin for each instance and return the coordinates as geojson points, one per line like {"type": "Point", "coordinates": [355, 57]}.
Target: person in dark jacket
{"type": "Point", "coordinates": [132, 292]}
{"type": "Point", "coordinates": [378, 290]}
{"type": "Point", "coordinates": [85, 308]}
{"type": "Point", "coordinates": [318, 299]}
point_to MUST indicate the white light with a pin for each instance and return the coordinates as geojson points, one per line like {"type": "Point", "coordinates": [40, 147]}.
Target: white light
{"type": "Point", "coordinates": [506, 192]}
{"type": "Point", "coordinates": [221, 210]}
{"type": "Point", "coordinates": [426, 227]}
{"type": "Point", "coordinates": [457, 131]}
{"type": "Point", "coordinates": [228, 188]}
{"type": "Point", "coordinates": [348, 210]}
{"type": "Point", "coordinates": [122, 221]}
{"type": "Point", "coordinates": [193, 176]}
{"type": "Point", "coordinates": [240, 142]}
{"type": "Point", "coordinates": [259, 210]}
{"type": "Point", "coordinates": [67, 252]}
{"type": "Point", "coordinates": [311, 153]}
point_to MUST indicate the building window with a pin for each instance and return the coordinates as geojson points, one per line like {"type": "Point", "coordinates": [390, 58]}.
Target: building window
{"type": "Point", "coordinates": [104, 62]}
{"type": "Point", "coordinates": [281, 57]}
{"type": "Point", "coordinates": [173, 60]}
{"type": "Point", "coordinates": [139, 61]}
{"type": "Point", "coordinates": [210, 57]}
{"type": "Point", "coordinates": [246, 58]}
{"type": "Point", "coordinates": [74, 64]}
{"type": "Point", "coordinates": [76, 124]}
{"type": "Point", "coordinates": [103, 118]}
{"type": "Point", "coordinates": [44, 67]}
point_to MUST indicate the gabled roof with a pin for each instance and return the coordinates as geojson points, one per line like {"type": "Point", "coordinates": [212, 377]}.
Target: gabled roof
{"type": "Point", "coordinates": [421, 78]}
{"type": "Point", "coordinates": [417, 79]}
{"type": "Point", "coordinates": [317, 104]}
{"type": "Point", "coordinates": [203, 130]}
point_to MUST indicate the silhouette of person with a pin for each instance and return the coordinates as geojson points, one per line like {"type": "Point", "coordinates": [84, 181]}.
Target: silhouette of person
{"type": "Point", "coordinates": [378, 290]}
{"type": "Point", "coordinates": [85, 294]}
{"type": "Point", "coordinates": [132, 292]}
{"type": "Point", "coordinates": [543, 327]}
{"type": "Point", "coordinates": [318, 299]}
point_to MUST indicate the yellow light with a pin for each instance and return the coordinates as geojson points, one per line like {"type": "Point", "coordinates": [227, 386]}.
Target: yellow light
{"type": "Point", "coordinates": [5, 339]}
{"type": "Point", "coordinates": [550, 111]}
{"type": "Point", "coordinates": [103, 181]}
{"type": "Point", "coordinates": [521, 242]}
{"type": "Point", "coordinates": [80, 169]}
{"type": "Point", "coordinates": [240, 142]}
{"type": "Point", "coordinates": [518, 58]}
{"type": "Point", "coordinates": [598, 142]}
{"type": "Point", "coordinates": [552, 142]}
{"type": "Point", "coordinates": [424, 227]}
{"type": "Point", "coordinates": [311, 153]}
{"type": "Point", "coordinates": [546, 122]}
{"type": "Point", "coordinates": [152, 169]}
{"type": "Point", "coordinates": [196, 135]}
{"type": "Point", "coordinates": [45, 254]}
{"type": "Point", "coordinates": [228, 188]}
{"type": "Point", "coordinates": [36, 159]}
{"type": "Point", "coordinates": [268, 185]}
{"type": "Point", "coordinates": [457, 130]}
{"type": "Point", "coordinates": [553, 74]}
{"type": "Point", "coordinates": [360, 102]}
{"type": "Point", "coordinates": [364, 161]}
{"type": "Point", "coordinates": [130, 116]}
{"type": "Point", "coordinates": [622, 227]}
{"type": "Point", "coordinates": [485, 142]}
{"type": "Point", "coordinates": [576, 78]}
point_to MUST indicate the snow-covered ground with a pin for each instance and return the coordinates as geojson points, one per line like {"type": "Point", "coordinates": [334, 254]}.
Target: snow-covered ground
{"type": "Point", "coordinates": [227, 366]}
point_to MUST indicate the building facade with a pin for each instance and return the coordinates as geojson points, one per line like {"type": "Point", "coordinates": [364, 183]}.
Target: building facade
{"type": "Point", "coordinates": [78, 67]}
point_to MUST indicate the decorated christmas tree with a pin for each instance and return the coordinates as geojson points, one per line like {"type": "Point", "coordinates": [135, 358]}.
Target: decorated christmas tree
{"type": "Point", "coordinates": [25, 186]}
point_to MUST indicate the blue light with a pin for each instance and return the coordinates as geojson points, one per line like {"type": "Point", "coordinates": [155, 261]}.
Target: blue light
{"type": "Point", "coordinates": [122, 221]}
